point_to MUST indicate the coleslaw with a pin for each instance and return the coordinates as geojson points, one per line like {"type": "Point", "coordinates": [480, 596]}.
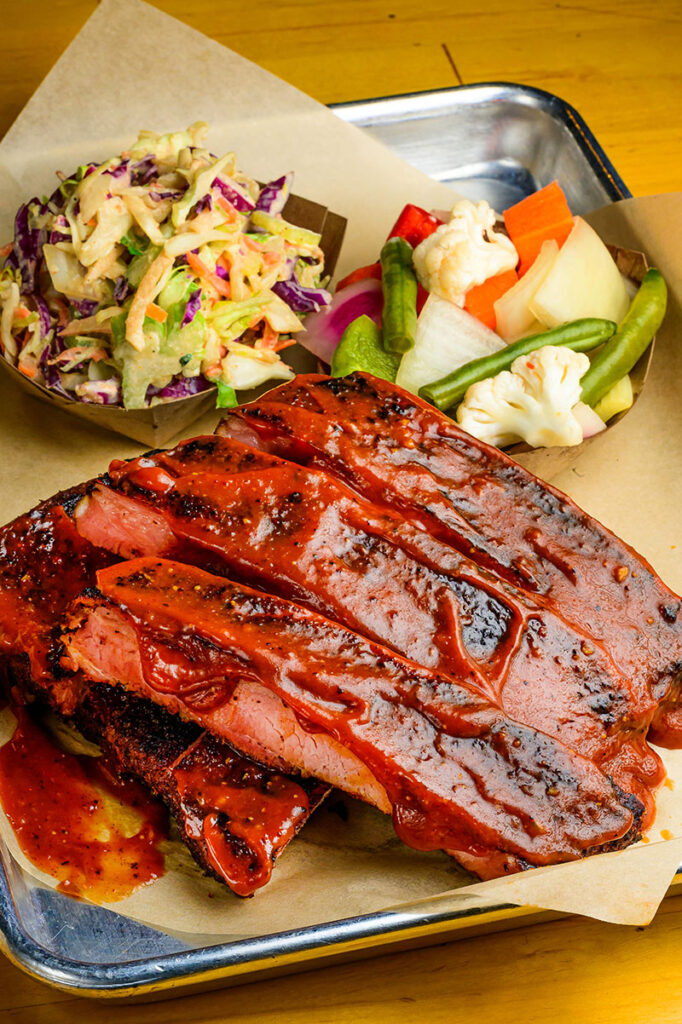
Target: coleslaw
{"type": "Point", "coordinates": [155, 275]}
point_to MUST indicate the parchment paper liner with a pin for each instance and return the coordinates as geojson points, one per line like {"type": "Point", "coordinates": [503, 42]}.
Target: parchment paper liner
{"type": "Point", "coordinates": [157, 424]}
{"type": "Point", "coordinates": [631, 481]}
{"type": "Point", "coordinates": [548, 462]}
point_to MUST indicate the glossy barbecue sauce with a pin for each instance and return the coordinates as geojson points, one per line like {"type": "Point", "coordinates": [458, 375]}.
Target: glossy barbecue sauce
{"type": "Point", "coordinates": [397, 449]}
{"type": "Point", "coordinates": [300, 533]}
{"type": "Point", "coordinates": [244, 814]}
{"type": "Point", "coordinates": [73, 819]}
{"type": "Point", "coordinates": [425, 740]}
{"type": "Point", "coordinates": [292, 530]}
{"type": "Point", "coordinates": [99, 837]}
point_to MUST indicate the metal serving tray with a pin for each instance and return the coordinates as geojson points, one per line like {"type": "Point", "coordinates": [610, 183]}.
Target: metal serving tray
{"type": "Point", "coordinates": [494, 141]}
{"type": "Point", "coordinates": [499, 142]}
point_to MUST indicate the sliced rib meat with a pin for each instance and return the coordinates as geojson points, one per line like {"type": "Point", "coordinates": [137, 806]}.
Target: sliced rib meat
{"type": "Point", "coordinates": [301, 534]}
{"type": "Point", "coordinates": [458, 773]}
{"type": "Point", "coordinates": [234, 815]}
{"type": "Point", "coordinates": [398, 451]}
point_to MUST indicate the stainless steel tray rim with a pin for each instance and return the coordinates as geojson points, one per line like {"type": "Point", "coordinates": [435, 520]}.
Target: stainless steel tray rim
{"type": "Point", "coordinates": [407, 106]}
{"type": "Point", "coordinates": [143, 975]}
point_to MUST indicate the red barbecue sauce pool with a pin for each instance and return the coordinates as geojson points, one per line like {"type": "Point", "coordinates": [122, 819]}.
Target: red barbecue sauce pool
{"type": "Point", "coordinates": [56, 803]}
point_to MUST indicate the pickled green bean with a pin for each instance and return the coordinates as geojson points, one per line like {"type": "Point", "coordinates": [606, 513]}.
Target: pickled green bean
{"type": "Point", "coordinates": [630, 341]}
{"type": "Point", "coordinates": [399, 285]}
{"type": "Point", "coordinates": [579, 335]}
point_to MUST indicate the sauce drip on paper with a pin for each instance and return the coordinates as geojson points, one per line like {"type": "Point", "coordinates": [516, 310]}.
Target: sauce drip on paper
{"type": "Point", "coordinates": [97, 836]}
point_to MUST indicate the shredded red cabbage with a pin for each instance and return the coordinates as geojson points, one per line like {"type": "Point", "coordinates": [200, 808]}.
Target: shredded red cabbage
{"type": "Point", "coordinates": [121, 289]}
{"type": "Point", "coordinates": [28, 245]}
{"type": "Point", "coordinates": [192, 308]}
{"type": "Point", "coordinates": [44, 315]}
{"type": "Point", "coordinates": [239, 201]}
{"type": "Point", "coordinates": [300, 299]}
{"type": "Point", "coordinates": [51, 374]}
{"type": "Point", "coordinates": [205, 203]}
{"type": "Point", "coordinates": [167, 194]}
{"type": "Point", "coordinates": [143, 171]}
{"type": "Point", "coordinates": [86, 307]}
{"type": "Point", "coordinates": [180, 387]}
{"type": "Point", "coordinates": [273, 196]}
{"type": "Point", "coordinates": [119, 170]}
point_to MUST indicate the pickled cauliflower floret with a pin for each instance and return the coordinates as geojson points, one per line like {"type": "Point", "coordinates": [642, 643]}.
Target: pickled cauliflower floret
{"type": "Point", "coordinates": [533, 403]}
{"type": "Point", "coordinates": [463, 253]}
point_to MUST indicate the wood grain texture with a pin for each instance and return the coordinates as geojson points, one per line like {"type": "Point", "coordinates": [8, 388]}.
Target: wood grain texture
{"type": "Point", "coordinates": [618, 62]}
{"type": "Point", "coordinates": [565, 972]}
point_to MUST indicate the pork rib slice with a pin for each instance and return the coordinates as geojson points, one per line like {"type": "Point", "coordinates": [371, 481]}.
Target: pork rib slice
{"type": "Point", "coordinates": [459, 775]}
{"type": "Point", "coordinates": [210, 789]}
{"type": "Point", "coordinates": [398, 451]}
{"type": "Point", "coordinates": [299, 533]}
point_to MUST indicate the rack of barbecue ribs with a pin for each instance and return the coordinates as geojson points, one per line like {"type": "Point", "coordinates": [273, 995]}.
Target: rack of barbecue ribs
{"type": "Point", "coordinates": [343, 589]}
{"type": "Point", "coordinates": [235, 816]}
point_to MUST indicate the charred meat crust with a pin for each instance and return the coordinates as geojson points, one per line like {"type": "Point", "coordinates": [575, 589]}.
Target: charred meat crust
{"type": "Point", "coordinates": [241, 513]}
{"type": "Point", "coordinates": [426, 737]}
{"type": "Point", "coordinates": [44, 563]}
{"type": "Point", "coordinates": [142, 741]}
{"type": "Point", "coordinates": [385, 442]}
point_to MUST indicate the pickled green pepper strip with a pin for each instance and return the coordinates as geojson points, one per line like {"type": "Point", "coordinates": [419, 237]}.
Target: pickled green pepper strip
{"type": "Point", "coordinates": [399, 285]}
{"type": "Point", "coordinates": [579, 335]}
{"type": "Point", "coordinates": [360, 348]}
{"type": "Point", "coordinates": [630, 341]}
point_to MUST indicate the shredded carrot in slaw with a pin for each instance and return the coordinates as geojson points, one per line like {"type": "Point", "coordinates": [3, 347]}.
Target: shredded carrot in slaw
{"type": "Point", "coordinates": [155, 312]}
{"type": "Point", "coordinates": [202, 271]}
{"type": "Point", "coordinates": [227, 207]}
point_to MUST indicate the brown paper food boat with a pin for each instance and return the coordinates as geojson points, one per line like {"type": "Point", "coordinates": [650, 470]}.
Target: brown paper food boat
{"type": "Point", "coordinates": [157, 424]}
{"type": "Point", "coordinates": [549, 462]}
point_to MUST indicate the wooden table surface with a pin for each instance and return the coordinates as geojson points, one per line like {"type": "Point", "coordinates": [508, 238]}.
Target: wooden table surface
{"type": "Point", "coordinates": [618, 62]}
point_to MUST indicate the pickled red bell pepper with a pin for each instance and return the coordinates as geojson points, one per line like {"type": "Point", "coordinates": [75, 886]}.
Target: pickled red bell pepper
{"type": "Point", "coordinates": [414, 225]}
{"type": "Point", "coordinates": [361, 274]}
